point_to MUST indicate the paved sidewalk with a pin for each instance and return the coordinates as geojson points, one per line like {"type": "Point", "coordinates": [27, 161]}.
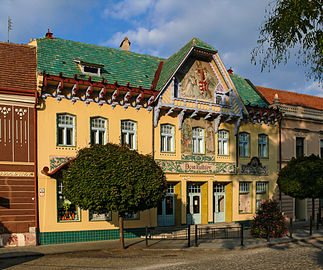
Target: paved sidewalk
{"type": "Point", "coordinates": [139, 243]}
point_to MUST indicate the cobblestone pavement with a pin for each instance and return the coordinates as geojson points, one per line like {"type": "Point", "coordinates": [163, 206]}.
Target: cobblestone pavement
{"type": "Point", "coordinates": [299, 255]}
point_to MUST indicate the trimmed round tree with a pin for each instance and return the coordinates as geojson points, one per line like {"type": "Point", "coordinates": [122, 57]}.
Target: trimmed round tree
{"type": "Point", "coordinates": [269, 221]}
{"type": "Point", "coordinates": [302, 178]}
{"type": "Point", "coordinates": [114, 178]}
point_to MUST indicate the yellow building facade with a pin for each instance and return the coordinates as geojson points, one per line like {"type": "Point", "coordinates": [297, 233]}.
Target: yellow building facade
{"type": "Point", "coordinates": [210, 131]}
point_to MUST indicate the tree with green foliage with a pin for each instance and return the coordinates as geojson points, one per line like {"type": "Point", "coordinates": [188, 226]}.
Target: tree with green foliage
{"type": "Point", "coordinates": [292, 24]}
{"type": "Point", "coordinates": [269, 221]}
{"type": "Point", "coordinates": [114, 178]}
{"type": "Point", "coordinates": [302, 178]}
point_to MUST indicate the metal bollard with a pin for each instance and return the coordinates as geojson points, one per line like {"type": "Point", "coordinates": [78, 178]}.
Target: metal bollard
{"type": "Point", "coordinates": [241, 234]}
{"type": "Point", "coordinates": [291, 228]}
{"type": "Point", "coordinates": [188, 235]}
{"type": "Point", "coordinates": [146, 236]}
{"type": "Point", "coordinates": [311, 220]}
{"type": "Point", "coordinates": [196, 236]}
{"type": "Point", "coordinates": [317, 221]}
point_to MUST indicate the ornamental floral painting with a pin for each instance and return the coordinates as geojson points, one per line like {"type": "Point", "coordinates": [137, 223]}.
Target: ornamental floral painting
{"type": "Point", "coordinates": [186, 136]}
{"type": "Point", "coordinates": [198, 80]}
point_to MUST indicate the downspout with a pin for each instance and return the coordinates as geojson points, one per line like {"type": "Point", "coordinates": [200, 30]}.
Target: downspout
{"type": "Point", "coordinates": [35, 170]}
{"type": "Point", "coordinates": [280, 160]}
{"type": "Point", "coordinates": [153, 134]}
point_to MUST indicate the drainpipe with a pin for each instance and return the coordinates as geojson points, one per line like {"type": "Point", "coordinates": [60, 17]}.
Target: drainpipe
{"type": "Point", "coordinates": [35, 171]}
{"type": "Point", "coordinates": [280, 160]}
{"type": "Point", "coordinates": [153, 134]}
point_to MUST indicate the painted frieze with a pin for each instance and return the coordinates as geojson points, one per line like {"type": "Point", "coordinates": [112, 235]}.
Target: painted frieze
{"type": "Point", "coordinates": [195, 167]}
{"type": "Point", "coordinates": [197, 80]}
{"type": "Point", "coordinates": [56, 161]}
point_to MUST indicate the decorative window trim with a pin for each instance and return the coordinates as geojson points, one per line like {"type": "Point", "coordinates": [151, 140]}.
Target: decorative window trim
{"type": "Point", "coordinates": [98, 129]}
{"type": "Point", "coordinates": [246, 155]}
{"type": "Point", "coordinates": [128, 133]}
{"type": "Point", "coordinates": [222, 140]}
{"type": "Point", "coordinates": [65, 127]}
{"type": "Point", "coordinates": [196, 138]}
{"type": "Point", "coordinates": [262, 143]}
{"type": "Point", "coordinates": [167, 135]}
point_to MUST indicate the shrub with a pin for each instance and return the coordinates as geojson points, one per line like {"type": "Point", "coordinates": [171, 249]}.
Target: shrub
{"type": "Point", "coordinates": [270, 220]}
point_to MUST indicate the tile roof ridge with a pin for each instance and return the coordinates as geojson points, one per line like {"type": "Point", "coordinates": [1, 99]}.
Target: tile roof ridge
{"type": "Point", "coordinates": [103, 47]}
{"type": "Point", "coordinates": [16, 44]}
{"type": "Point", "coordinates": [289, 92]}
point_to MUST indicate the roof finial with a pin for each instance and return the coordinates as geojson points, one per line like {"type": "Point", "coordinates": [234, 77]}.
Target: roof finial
{"type": "Point", "coordinates": [125, 44]}
{"type": "Point", "coordinates": [49, 34]}
{"type": "Point", "coordinates": [230, 71]}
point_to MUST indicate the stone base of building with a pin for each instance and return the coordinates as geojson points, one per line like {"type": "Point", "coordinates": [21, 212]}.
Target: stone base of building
{"type": "Point", "coordinates": [19, 239]}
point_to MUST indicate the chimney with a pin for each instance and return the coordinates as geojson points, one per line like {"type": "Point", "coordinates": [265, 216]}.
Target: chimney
{"type": "Point", "coordinates": [276, 100]}
{"type": "Point", "coordinates": [125, 44]}
{"type": "Point", "coordinates": [49, 34]}
{"type": "Point", "coordinates": [230, 71]}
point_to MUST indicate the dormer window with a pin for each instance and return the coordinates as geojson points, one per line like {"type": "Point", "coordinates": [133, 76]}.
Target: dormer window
{"type": "Point", "coordinates": [89, 68]}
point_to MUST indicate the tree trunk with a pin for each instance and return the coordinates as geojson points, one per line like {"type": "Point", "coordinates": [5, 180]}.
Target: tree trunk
{"type": "Point", "coordinates": [121, 231]}
{"type": "Point", "coordinates": [313, 209]}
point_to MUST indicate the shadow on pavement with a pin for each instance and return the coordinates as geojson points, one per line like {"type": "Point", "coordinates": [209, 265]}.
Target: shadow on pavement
{"type": "Point", "coordinates": [6, 261]}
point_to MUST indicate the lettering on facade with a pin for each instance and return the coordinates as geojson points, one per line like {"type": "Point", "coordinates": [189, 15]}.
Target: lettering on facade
{"type": "Point", "coordinates": [178, 166]}
{"type": "Point", "coordinates": [17, 174]}
{"type": "Point", "coordinates": [254, 167]}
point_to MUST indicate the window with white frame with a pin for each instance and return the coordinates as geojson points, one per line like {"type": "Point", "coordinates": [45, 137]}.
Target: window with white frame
{"type": "Point", "coordinates": [223, 143]}
{"type": "Point", "coordinates": [66, 211]}
{"type": "Point", "coordinates": [244, 197]}
{"type": "Point", "coordinates": [98, 130]}
{"type": "Point", "coordinates": [263, 146]}
{"type": "Point", "coordinates": [65, 130]}
{"type": "Point", "coordinates": [166, 138]}
{"type": "Point", "coordinates": [128, 133]}
{"type": "Point", "coordinates": [261, 192]}
{"type": "Point", "coordinates": [244, 144]}
{"type": "Point", "coordinates": [198, 140]}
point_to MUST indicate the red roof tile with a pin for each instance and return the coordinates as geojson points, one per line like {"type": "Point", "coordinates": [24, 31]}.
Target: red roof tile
{"type": "Point", "coordinates": [17, 66]}
{"type": "Point", "coordinates": [291, 98]}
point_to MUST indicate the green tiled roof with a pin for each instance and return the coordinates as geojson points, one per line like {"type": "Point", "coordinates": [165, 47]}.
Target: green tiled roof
{"type": "Point", "coordinates": [246, 92]}
{"type": "Point", "coordinates": [172, 62]}
{"type": "Point", "coordinates": [57, 55]}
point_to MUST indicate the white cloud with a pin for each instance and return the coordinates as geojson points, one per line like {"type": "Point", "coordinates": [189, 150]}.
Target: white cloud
{"type": "Point", "coordinates": [315, 89]}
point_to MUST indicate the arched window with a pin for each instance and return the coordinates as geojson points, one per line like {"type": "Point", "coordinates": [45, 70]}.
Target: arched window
{"type": "Point", "coordinates": [244, 144]}
{"type": "Point", "coordinates": [128, 133]}
{"type": "Point", "coordinates": [166, 138]}
{"type": "Point", "coordinates": [223, 143]}
{"type": "Point", "coordinates": [198, 140]}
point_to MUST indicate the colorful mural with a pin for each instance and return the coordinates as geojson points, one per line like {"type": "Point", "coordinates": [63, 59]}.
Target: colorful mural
{"type": "Point", "coordinates": [186, 136]}
{"type": "Point", "coordinates": [199, 81]}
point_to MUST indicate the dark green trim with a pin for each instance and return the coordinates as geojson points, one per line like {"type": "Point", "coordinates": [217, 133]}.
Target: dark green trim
{"type": "Point", "coordinates": [49, 238]}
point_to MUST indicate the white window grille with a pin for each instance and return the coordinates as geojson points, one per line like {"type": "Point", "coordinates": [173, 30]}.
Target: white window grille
{"type": "Point", "coordinates": [128, 134]}
{"type": "Point", "coordinates": [219, 187]}
{"type": "Point", "coordinates": [98, 130]}
{"type": "Point", "coordinates": [261, 192]}
{"type": "Point", "coordinates": [223, 143]}
{"type": "Point", "coordinates": [65, 130]}
{"type": "Point", "coordinates": [194, 188]}
{"type": "Point", "coordinates": [244, 187]}
{"type": "Point", "coordinates": [244, 197]}
{"type": "Point", "coordinates": [170, 188]}
{"type": "Point", "coordinates": [263, 146]}
{"type": "Point", "coordinates": [244, 144]}
{"type": "Point", "coordinates": [198, 140]}
{"type": "Point", "coordinates": [167, 138]}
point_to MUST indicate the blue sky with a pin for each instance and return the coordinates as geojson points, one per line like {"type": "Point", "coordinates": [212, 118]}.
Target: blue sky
{"type": "Point", "coordinates": [160, 28]}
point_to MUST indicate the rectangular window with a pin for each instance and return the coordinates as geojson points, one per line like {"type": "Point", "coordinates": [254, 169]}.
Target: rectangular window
{"type": "Point", "coordinates": [100, 216]}
{"type": "Point", "coordinates": [98, 130]}
{"type": "Point", "coordinates": [198, 141]}
{"type": "Point", "coordinates": [263, 146]}
{"type": "Point", "coordinates": [321, 148]}
{"type": "Point", "coordinates": [244, 197]}
{"type": "Point", "coordinates": [299, 146]}
{"type": "Point", "coordinates": [261, 192]}
{"type": "Point", "coordinates": [244, 144]}
{"type": "Point", "coordinates": [66, 211]}
{"type": "Point", "coordinates": [166, 138]}
{"type": "Point", "coordinates": [223, 143]}
{"type": "Point", "coordinates": [129, 216]}
{"type": "Point", "coordinates": [65, 130]}
{"type": "Point", "coordinates": [128, 134]}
